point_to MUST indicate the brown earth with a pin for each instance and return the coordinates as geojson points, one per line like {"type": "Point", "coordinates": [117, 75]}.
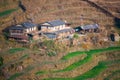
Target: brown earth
{"type": "Point", "coordinates": [70, 10]}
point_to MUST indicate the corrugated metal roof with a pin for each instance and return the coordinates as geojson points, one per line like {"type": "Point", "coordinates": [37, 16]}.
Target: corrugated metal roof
{"type": "Point", "coordinates": [92, 26]}
{"type": "Point", "coordinates": [23, 26]}
{"type": "Point", "coordinates": [50, 35]}
{"type": "Point", "coordinates": [28, 24]}
{"type": "Point", "coordinates": [17, 27]}
{"type": "Point", "coordinates": [56, 23]}
{"type": "Point", "coordinates": [64, 30]}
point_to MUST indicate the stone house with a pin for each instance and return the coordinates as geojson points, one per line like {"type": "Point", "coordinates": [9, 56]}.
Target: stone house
{"type": "Point", "coordinates": [56, 29]}
{"type": "Point", "coordinates": [22, 31]}
{"type": "Point", "coordinates": [54, 25]}
{"type": "Point", "coordinates": [29, 31]}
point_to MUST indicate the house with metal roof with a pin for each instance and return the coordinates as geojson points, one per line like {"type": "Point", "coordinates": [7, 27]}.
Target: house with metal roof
{"type": "Point", "coordinates": [87, 28]}
{"type": "Point", "coordinates": [52, 26]}
{"type": "Point", "coordinates": [21, 31]}
{"type": "Point", "coordinates": [51, 29]}
{"type": "Point", "coordinates": [91, 26]}
{"type": "Point", "coordinates": [56, 29]}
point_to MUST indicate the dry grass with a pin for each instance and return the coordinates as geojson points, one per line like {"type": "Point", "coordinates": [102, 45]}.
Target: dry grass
{"type": "Point", "coordinates": [70, 10]}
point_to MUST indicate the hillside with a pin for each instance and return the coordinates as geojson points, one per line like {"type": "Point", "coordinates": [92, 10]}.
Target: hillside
{"type": "Point", "coordinates": [70, 10]}
{"type": "Point", "coordinates": [35, 62]}
{"type": "Point", "coordinates": [98, 64]}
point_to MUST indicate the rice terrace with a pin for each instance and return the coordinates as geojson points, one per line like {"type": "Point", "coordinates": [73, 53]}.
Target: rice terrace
{"type": "Point", "coordinates": [59, 40]}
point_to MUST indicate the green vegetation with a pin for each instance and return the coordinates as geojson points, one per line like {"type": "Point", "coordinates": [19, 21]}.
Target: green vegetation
{"type": "Point", "coordinates": [113, 73]}
{"type": "Point", "coordinates": [72, 54]}
{"type": "Point", "coordinates": [76, 36]}
{"type": "Point", "coordinates": [16, 60]}
{"type": "Point", "coordinates": [13, 77]}
{"type": "Point", "coordinates": [81, 62]}
{"type": "Point", "coordinates": [48, 43]}
{"type": "Point", "coordinates": [7, 12]}
{"type": "Point", "coordinates": [52, 53]}
{"type": "Point", "coordinates": [90, 74]}
{"type": "Point", "coordinates": [41, 72]}
{"type": "Point", "coordinates": [86, 59]}
{"type": "Point", "coordinates": [27, 69]}
{"type": "Point", "coordinates": [23, 57]}
{"type": "Point", "coordinates": [1, 61]}
{"type": "Point", "coordinates": [51, 46]}
{"type": "Point", "coordinates": [14, 50]}
{"type": "Point", "coordinates": [111, 62]}
{"type": "Point", "coordinates": [76, 64]}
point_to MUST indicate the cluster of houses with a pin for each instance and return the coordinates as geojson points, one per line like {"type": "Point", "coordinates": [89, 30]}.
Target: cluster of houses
{"type": "Point", "coordinates": [52, 30]}
{"type": "Point", "coordinates": [55, 29]}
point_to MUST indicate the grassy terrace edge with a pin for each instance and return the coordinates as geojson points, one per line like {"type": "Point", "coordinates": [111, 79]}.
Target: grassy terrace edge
{"type": "Point", "coordinates": [7, 12]}
{"type": "Point", "coordinates": [81, 62]}
{"type": "Point", "coordinates": [113, 73]}
{"type": "Point", "coordinates": [100, 67]}
{"type": "Point", "coordinates": [25, 56]}
{"type": "Point", "coordinates": [14, 50]}
{"type": "Point", "coordinates": [92, 73]}
{"type": "Point", "coordinates": [73, 54]}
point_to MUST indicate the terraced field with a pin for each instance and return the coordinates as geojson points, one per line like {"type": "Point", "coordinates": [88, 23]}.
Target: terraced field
{"type": "Point", "coordinates": [110, 5]}
{"type": "Point", "coordinates": [69, 10]}
{"type": "Point", "coordinates": [80, 65]}
{"type": "Point", "coordinates": [98, 64]}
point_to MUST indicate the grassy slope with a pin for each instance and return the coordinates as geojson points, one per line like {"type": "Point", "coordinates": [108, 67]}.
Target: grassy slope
{"type": "Point", "coordinates": [100, 67]}
{"type": "Point", "coordinates": [7, 12]}
{"type": "Point", "coordinates": [113, 73]}
{"type": "Point", "coordinates": [81, 62]}
{"type": "Point", "coordinates": [91, 73]}
{"type": "Point", "coordinates": [14, 50]}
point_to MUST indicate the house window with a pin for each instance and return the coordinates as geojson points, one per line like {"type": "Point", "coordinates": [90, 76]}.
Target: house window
{"type": "Point", "coordinates": [34, 28]}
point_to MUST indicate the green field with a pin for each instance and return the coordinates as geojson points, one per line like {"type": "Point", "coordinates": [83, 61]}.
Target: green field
{"type": "Point", "coordinates": [81, 62]}
{"type": "Point", "coordinates": [7, 12]}
{"type": "Point", "coordinates": [96, 70]}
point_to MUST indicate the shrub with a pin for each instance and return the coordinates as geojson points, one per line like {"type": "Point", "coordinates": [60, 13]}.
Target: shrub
{"type": "Point", "coordinates": [48, 43]}
{"type": "Point", "coordinates": [76, 36]}
{"type": "Point", "coordinates": [52, 53]}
